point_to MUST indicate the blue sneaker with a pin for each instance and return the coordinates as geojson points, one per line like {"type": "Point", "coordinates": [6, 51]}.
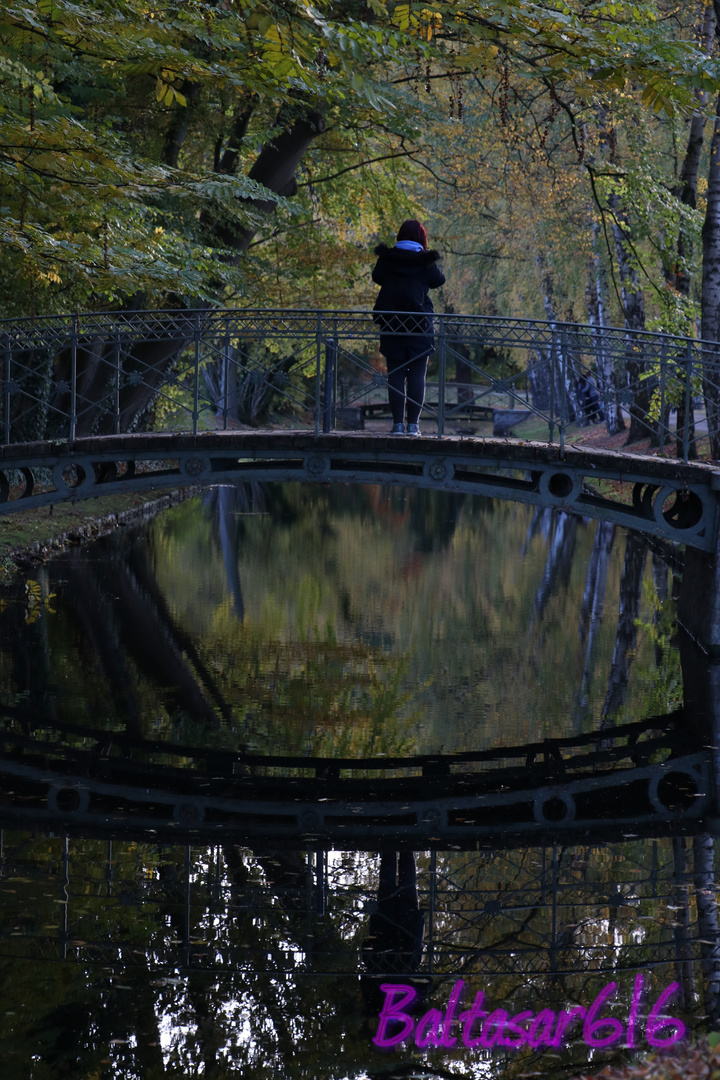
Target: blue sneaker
{"type": "Point", "coordinates": [413, 429]}
{"type": "Point", "coordinates": [398, 429]}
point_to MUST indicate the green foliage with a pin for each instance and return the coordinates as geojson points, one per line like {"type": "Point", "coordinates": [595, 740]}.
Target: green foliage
{"type": "Point", "coordinates": [112, 117]}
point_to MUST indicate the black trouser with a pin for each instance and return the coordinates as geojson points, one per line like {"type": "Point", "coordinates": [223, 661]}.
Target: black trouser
{"type": "Point", "coordinates": [404, 368]}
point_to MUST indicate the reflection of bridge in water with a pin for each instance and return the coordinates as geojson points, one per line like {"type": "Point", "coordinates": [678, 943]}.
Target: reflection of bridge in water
{"type": "Point", "coordinates": [647, 777]}
{"type": "Point", "coordinates": [528, 896]}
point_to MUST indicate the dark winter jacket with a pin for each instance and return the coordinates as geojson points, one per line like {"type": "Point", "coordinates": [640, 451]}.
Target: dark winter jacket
{"type": "Point", "coordinates": [405, 277]}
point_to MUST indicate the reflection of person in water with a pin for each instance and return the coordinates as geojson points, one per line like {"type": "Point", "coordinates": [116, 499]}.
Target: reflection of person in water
{"type": "Point", "coordinates": [394, 945]}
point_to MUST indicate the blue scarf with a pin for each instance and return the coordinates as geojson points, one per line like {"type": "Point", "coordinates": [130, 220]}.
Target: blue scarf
{"type": "Point", "coordinates": [409, 245]}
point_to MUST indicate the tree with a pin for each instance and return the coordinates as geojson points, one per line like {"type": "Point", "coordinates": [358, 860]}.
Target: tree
{"type": "Point", "coordinates": [143, 154]}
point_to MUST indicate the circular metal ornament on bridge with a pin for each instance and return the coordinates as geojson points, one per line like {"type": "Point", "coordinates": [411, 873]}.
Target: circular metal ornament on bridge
{"type": "Point", "coordinates": [69, 799]}
{"type": "Point", "coordinates": [28, 490]}
{"type": "Point", "coordinates": [71, 476]}
{"type": "Point", "coordinates": [194, 466]}
{"type": "Point", "coordinates": [686, 513]}
{"type": "Point", "coordinates": [674, 791]}
{"type": "Point", "coordinates": [554, 807]}
{"type": "Point", "coordinates": [189, 814]}
{"type": "Point", "coordinates": [434, 817]}
{"type": "Point", "coordinates": [317, 466]}
{"type": "Point", "coordinates": [310, 820]}
{"type": "Point", "coordinates": [439, 470]}
{"type": "Point", "coordinates": [560, 486]}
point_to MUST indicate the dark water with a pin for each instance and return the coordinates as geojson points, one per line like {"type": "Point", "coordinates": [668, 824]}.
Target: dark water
{"type": "Point", "coordinates": [286, 746]}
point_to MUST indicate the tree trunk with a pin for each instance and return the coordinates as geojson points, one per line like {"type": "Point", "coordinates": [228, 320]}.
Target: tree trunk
{"type": "Point", "coordinates": [688, 197]}
{"type": "Point", "coordinates": [710, 331]}
{"type": "Point", "coordinates": [463, 368]}
{"type": "Point", "coordinates": [604, 362]}
{"type": "Point", "coordinates": [565, 390]}
{"type": "Point", "coordinates": [539, 383]}
{"type": "Point", "coordinates": [681, 925]}
{"type": "Point", "coordinates": [149, 361]}
{"type": "Point", "coordinates": [691, 164]}
{"type": "Point", "coordinates": [275, 169]}
{"type": "Point", "coordinates": [705, 890]}
{"type": "Point", "coordinates": [180, 123]}
{"type": "Point", "coordinates": [633, 301]}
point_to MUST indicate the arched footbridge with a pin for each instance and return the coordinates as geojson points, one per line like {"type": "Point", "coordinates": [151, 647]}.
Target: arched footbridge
{"type": "Point", "coordinates": [660, 497]}
{"type": "Point", "coordinates": [76, 390]}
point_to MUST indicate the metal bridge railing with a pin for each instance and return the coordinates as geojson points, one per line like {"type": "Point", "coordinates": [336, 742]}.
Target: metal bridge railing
{"type": "Point", "coordinates": [114, 373]}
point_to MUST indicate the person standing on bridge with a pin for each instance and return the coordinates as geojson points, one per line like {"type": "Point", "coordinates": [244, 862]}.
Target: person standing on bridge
{"type": "Point", "coordinates": [405, 274]}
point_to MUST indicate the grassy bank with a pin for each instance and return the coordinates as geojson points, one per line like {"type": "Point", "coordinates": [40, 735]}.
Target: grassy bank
{"type": "Point", "coordinates": [28, 537]}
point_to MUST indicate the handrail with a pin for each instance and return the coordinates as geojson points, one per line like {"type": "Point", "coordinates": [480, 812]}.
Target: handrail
{"type": "Point", "coordinates": [68, 376]}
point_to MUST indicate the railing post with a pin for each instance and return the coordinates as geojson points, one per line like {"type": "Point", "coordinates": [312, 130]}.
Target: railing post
{"type": "Point", "coordinates": [318, 369]}
{"type": "Point", "coordinates": [663, 375]}
{"type": "Point", "coordinates": [553, 379]}
{"type": "Point", "coordinates": [73, 378]}
{"type": "Point", "coordinates": [433, 901]}
{"type": "Point", "coordinates": [196, 383]}
{"type": "Point", "coordinates": [116, 348]}
{"type": "Point", "coordinates": [563, 390]}
{"type": "Point", "coordinates": [6, 393]}
{"type": "Point", "coordinates": [226, 374]}
{"type": "Point", "coordinates": [442, 366]}
{"type": "Point", "coordinates": [337, 389]}
{"type": "Point", "coordinates": [688, 402]}
{"type": "Point", "coordinates": [320, 883]}
{"type": "Point", "coordinates": [330, 364]}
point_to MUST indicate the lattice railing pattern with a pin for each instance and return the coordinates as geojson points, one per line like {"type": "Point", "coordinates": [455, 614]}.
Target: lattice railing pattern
{"type": "Point", "coordinates": [114, 372]}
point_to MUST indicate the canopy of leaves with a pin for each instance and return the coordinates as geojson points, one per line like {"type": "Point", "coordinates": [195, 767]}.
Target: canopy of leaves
{"type": "Point", "coordinates": [128, 131]}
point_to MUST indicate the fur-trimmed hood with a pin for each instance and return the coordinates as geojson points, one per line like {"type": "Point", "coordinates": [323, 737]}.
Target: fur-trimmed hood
{"type": "Point", "coordinates": [403, 257]}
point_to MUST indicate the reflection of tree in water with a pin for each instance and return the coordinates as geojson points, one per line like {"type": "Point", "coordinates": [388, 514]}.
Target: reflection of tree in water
{"type": "Point", "coordinates": [210, 954]}
{"type": "Point", "coordinates": [593, 604]}
{"type": "Point", "coordinates": [629, 609]}
{"type": "Point", "coordinates": [122, 655]}
{"type": "Point", "coordinates": [394, 944]}
{"type": "Point", "coordinates": [561, 532]}
{"type": "Point", "coordinates": [434, 517]}
{"type": "Point", "coordinates": [123, 630]}
{"type": "Point", "coordinates": [559, 560]}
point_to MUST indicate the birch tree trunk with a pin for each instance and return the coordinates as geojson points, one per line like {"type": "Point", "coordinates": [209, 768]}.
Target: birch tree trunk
{"type": "Point", "coordinates": [604, 362]}
{"type": "Point", "coordinates": [563, 357]}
